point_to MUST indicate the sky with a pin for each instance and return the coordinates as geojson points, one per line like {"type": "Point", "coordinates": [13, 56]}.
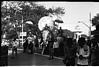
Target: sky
{"type": "Point", "coordinates": [74, 12]}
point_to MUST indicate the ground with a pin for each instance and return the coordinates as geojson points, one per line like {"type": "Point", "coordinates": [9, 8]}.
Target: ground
{"type": "Point", "coordinates": [24, 59]}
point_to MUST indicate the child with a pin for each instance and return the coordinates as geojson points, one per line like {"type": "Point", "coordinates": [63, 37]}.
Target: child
{"type": "Point", "coordinates": [14, 47]}
{"type": "Point", "coordinates": [83, 54]}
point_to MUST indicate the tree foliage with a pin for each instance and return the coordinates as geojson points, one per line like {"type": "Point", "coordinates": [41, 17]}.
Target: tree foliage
{"type": "Point", "coordinates": [95, 20]}
{"type": "Point", "coordinates": [13, 11]}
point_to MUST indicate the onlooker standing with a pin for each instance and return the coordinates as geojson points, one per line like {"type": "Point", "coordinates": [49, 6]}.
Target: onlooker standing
{"type": "Point", "coordinates": [14, 47]}
{"type": "Point", "coordinates": [36, 43]}
{"type": "Point", "coordinates": [55, 47]}
{"type": "Point", "coordinates": [30, 45]}
{"type": "Point", "coordinates": [25, 46]}
{"type": "Point", "coordinates": [65, 50]}
{"type": "Point", "coordinates": [4, 42]}
{"type": "Point", "coordinates": [82, 53]}
{"type": "Point", "coordinates": [89, 44]}
{"type": "Point", "coordinates": [39, 42]}
{"type": "Point", "coordinates": [60, 31]}
{"type": "Point", "coordinates": [70, 51]}
{"type": "Point", "coordinates": [95, 58]}
{"type": "Point", "coordinates": [50, 43]}
{"type": "Point", "coordinates": [4, 53]}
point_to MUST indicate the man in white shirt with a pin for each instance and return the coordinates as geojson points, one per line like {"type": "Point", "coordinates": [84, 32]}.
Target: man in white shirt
{"type": "Point", "coordinates": [4, 42]}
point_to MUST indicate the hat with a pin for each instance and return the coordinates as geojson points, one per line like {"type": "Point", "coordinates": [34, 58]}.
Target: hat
{"type": "Point", "coordinates": [29, 38]}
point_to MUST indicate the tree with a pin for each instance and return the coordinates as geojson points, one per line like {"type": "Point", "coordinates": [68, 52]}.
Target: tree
{"type": "Point", "coordinates": [56, 11]}
{"type": "Point", "coordinates": [13, 11]}
{"type": "Point", "coordinates": [95, 21]}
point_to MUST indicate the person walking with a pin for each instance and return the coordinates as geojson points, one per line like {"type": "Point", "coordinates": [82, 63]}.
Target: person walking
{"type": "Point", "coordinates": [50, 43]}
{"type": "Point", "coordinates": [65, 50]}
{"type": "Point", "coordinates": [69, 50]}
{"type": "Point", "coordinates": [60, 32]}
{"type": "Point", "coordinates": [30, 45]}
{"type": "Point", "coordinates": [25, 46]}
{"type": "Point", "coordinates": [55, 47]}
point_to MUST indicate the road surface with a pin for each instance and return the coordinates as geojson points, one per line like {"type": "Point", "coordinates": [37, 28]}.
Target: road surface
{"type": "Point", "coordinates": [24, 59]}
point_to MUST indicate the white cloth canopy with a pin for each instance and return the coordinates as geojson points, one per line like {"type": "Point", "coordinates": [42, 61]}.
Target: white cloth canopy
{"type": "Point", "coordinates": [29, 22]}
{"type": "Point", "coordinates": [45, 20]}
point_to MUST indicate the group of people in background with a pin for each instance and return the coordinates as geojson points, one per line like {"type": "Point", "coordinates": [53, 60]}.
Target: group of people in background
{"type": "Point", "coordinates": [75, 52]}
{"type": "Point", "coordinates": [28, 45]}
{"type": "Point", "coordinates": [82, 52]}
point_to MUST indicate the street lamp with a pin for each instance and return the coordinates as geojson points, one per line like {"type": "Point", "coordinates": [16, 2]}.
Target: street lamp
{"type": "Point", "coordinates": [4, 36]}
{"type": "Point", "coordinates": [22, 30]}
{"type": "Point", "coordinates": [88, 27]}
{"type": "Point", "coordinates": [28, 22]}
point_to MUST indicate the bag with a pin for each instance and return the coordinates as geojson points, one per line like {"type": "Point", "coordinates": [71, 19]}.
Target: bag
{"type": "Point", "coordinates": [55, 45]}
{"type": "Point", "coordinates": [81, 57]}
{"type": "Point", "coordinates": [29, 50]}
{"type": "Point", "coordinates": [69, 61]}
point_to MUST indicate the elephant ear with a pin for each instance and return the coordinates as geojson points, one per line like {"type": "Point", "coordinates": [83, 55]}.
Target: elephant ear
{"type": "Point", "coordinates": [45, 34]}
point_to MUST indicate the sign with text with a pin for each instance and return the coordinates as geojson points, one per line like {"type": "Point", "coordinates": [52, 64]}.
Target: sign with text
{"type": "Point", "coordinates": [23, 33]}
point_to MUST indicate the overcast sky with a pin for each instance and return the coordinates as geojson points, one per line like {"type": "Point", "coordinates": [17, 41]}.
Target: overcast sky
{"type": "Point", "coordinates": [74, 12]}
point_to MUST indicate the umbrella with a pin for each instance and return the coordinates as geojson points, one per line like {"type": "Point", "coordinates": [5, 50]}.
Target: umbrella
{"type": "Point", "coordinates": [59, 21]}
{"type": "Point", "coordinates": [29, 22]}
{"type": "Point", "coordinates": [83, 35]}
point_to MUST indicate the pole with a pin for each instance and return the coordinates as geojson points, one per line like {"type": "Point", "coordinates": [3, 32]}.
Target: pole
{"type": "Point", "coordinates": [88, 27]}
{"type": "Point", "coordinates": [22, 30]}
{"type": "Point", "coordinates": [90, 24]}
{"type": "Point", "coordinates": [90, 61]}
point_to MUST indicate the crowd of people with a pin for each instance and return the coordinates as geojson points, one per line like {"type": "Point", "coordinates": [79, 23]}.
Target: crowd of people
{"type": "Point", "coordinates": [75, 52]}
{"type": "Point", "coordinates": [82, 52]}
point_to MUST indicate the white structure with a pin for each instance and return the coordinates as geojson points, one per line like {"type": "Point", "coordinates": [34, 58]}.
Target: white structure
{"type": "Point", "coordinates": [49, 20]}
{"type": "Point", "coordinates": [45, 20]}
{"type": "Point", "coordinates": [24, 33]}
